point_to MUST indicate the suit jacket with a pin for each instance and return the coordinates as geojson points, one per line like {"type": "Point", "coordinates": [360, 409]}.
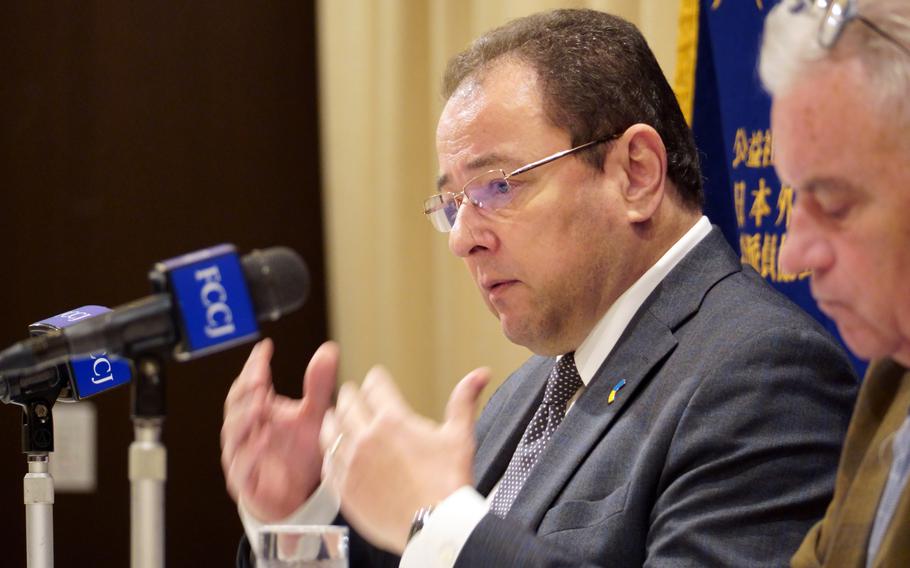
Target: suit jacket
{"type": "Point", "coordinates": [842, 537]}
{"type": "Point", "coordinates": [720, 450]}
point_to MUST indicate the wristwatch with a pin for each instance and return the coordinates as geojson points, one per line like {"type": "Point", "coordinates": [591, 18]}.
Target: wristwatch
{"type": "Point", "coordinates": [420, 519]}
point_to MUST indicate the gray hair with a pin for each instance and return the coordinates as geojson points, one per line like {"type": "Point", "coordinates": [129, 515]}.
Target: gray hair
{"type": "Point", "coordinates": [790, 46]}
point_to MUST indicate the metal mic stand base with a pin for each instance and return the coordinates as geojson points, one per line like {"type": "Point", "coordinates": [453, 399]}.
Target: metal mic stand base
{"type": "Point", "coordinates": [38, 485]}
{"type": "Point", "coordinates": [147, 464]}
{"type": "Point", "coordinates": [148, 473]}
{"type": "Point", "coordinates": [39, 512]}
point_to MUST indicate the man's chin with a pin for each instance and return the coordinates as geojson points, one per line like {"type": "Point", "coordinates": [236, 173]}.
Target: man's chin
{"type": "Point", "coordinates": [514, 331]}
{"type": "Point", "coordinates": [520, 331]}
{"type": "Point", "coordinates": [538, 339]}
{"type": "Point", "coordinates": [864, 342]}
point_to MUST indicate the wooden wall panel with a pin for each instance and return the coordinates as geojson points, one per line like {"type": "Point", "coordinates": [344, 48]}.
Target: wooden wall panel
{"type": "Point", "coordinates": [131, 132]}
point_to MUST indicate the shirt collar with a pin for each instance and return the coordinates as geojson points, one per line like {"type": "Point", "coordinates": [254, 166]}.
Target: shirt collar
{"type": "Point", "coordinates": [594, 350]}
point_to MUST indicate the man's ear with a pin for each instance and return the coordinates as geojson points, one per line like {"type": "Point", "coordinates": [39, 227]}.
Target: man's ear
{"type": "Point", "coordinates": [645, 162]}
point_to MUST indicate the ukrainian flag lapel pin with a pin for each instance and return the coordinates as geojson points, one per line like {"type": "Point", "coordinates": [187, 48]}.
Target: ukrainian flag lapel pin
{"type": "Point", "coordinates": [615, 390]}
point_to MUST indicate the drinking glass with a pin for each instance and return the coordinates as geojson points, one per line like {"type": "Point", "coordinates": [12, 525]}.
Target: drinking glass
{"type": "Point", "coordinates": [302, 546]}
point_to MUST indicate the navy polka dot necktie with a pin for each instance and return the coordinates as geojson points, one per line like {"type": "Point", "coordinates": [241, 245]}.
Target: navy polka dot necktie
{"type": "Point", "coordinates": [562, 385]}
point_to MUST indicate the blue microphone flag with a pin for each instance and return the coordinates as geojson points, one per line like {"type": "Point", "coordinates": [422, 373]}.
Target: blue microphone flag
{"type": "Point", "coordinates": [90, 375]}
{"type": "Point", "coordinates": [212, 299]}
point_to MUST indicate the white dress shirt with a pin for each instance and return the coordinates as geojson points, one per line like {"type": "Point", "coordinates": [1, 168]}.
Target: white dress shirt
{"type": "Point", "coordinates": [452, 521]}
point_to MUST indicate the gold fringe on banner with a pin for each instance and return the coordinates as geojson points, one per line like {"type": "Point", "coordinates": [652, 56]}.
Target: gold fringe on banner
{"type": "Point", "coordinates": [686, 54]}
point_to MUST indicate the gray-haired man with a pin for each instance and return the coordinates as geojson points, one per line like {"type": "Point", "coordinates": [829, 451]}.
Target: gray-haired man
{"type": "Point", "coordinates": [839, 73]}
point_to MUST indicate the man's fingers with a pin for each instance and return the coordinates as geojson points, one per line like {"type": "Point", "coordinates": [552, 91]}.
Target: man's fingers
{"type": "Point", "coordinates": [252, 356]}
{"type": "Point", "coordinates": [352, 414]}
{"type": "Point", "coordinates": [379, 391]}
{"type": "Point", "coordinates": [462, 405]}
{"type": "Point", "coordinates": [320, 377]}
{"type": "Point", "coordinates": [255, 373]}
{"type": "Point", "coordinates": [256, 370]}
{"type": "Point", "coordinates": [240, 474]}
{"type": "Point", "coordinates": [238, 424]}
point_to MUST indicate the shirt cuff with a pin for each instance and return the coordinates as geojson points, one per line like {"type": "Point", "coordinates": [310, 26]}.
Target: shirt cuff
{"type": "Point", "coordinates": [446, 530]}
{"type": "Point", "coordinates": [320, 509]}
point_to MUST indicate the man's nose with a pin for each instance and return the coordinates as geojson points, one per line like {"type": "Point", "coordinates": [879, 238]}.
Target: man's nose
{"type": "Point", "coordinates": [805, 247]}
{"type": "Point", "coordinates": [471, 233]}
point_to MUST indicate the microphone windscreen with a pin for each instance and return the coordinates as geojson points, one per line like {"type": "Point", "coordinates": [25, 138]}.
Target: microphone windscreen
{"type": "Point", "coordinates": [278, 280]}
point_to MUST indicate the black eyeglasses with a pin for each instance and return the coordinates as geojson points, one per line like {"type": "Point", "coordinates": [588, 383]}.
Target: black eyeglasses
{"type": "Point", "coordinates": [838, 13]}
{"type": "Point", "coordinates": [489, 190]}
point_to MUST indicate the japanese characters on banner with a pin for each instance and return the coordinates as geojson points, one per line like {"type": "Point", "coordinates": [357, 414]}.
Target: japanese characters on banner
{"type": "Point", "coordinates": [731, 120]}
{"type": "Point", "coordinates": [763, 211]}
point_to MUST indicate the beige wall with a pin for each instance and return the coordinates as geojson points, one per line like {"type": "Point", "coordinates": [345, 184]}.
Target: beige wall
{"type": "Point", "coordinates": [396, 295]}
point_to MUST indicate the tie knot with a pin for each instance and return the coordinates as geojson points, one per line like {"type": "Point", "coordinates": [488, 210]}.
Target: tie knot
{"type": "Point", "coordinates": [563, 383]}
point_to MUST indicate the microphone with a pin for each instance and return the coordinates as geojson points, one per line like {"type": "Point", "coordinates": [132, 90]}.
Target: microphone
{"type": "Point", "coordinates": [206, 301]}
{"type": "Point", "coordinates": [74, 380]}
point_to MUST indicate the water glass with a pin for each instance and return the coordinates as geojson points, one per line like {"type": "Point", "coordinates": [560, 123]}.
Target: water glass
{"type": "Point", "coordinates": [302, 546]}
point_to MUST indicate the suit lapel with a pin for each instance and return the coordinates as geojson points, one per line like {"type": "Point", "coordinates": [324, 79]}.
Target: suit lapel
{"type": "Point", "coordinates": [647, 341]}
{"type": "Point", "coordinates": [894, 547]}
{"type": "Point", "coordinates": [590, 417]}
{"type": "Point", "coordinates": [882, 413]}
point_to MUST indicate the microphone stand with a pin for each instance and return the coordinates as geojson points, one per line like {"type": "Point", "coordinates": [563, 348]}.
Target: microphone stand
{"type": "Point", "coordinates": [38, 485]}
{"type": "Point", "coordinates": [147, 463]}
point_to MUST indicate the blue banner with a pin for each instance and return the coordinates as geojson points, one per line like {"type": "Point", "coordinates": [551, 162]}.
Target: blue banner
{"type": "Point", "coordinates": [731, 121]}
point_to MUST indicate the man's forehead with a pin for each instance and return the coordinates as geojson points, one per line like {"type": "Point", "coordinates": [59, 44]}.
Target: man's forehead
{"type": "Point", "coordinates": [506, 70]}
{"type": "Point", "coordinates": [495, 90]}
{"type": "Point", "coordinates": [832, 136]}
{"type": "Point", "coordinates": [815, 121]}
{"type": "Point", "coordinates": [487, 118]}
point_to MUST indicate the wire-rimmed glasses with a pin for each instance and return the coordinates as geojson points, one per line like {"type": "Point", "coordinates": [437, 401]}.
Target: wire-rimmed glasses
{"type": "Point", "coordinates": [490, 190]}
{"type": "Point", "coordinates": [838, 13]}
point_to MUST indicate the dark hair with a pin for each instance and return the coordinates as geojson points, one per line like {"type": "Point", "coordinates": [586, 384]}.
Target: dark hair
{"type": "Point", "coordinates": [598, 77]}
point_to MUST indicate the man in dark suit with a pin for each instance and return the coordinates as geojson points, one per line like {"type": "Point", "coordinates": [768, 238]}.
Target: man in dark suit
{"type": "Point", "coordinates": [675, 412]}
{"type": "Point", "coordinates": [839, 74]}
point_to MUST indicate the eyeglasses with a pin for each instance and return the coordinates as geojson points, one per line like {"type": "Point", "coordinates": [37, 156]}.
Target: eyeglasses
{"type": "Point", "coordinates": [490, 190]}
{"type": "Point", "coordinates": [838, 13]}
